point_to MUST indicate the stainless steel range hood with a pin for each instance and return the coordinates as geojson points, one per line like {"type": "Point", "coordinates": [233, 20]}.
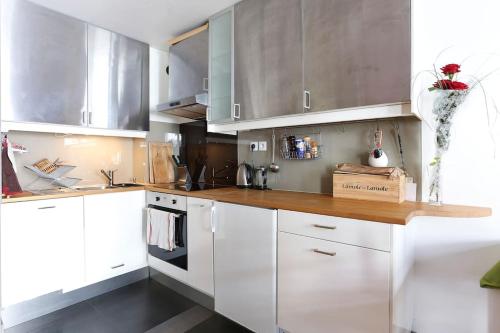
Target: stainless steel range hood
{"type": "Point", "coordinates": [188, 75]}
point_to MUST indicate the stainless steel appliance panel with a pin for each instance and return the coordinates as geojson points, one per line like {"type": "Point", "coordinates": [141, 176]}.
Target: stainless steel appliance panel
{"type": "Point", "coordinates": [356, 52]}
{"type": "Point", "coordinates": [267, 58]}
{"type": "Point", "coordinates": [117, 81]}
{"type": "Point", "coordinates": [44, 65]}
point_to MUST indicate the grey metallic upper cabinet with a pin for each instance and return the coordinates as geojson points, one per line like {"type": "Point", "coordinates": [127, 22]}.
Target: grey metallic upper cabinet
{"type": "Point", "coordinates": [118, 79]}
{"type": "Point", "coordinates": [44, 65]}
{"type": "Point", "coordinates": [267, 58]}
{"type": "Point", "coordinates": [356, 52]}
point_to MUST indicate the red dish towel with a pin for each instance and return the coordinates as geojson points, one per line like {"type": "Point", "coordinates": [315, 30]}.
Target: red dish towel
{"type": "Point", "coordinates": [10, 183]}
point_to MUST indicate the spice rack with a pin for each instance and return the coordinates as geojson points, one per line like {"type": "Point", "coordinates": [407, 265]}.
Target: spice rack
{"type": "Point", "coordinates": [297, 145]}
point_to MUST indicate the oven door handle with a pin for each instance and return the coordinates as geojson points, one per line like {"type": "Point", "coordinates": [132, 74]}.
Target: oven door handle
{"type": "Point", "coordinates": [212, 217]}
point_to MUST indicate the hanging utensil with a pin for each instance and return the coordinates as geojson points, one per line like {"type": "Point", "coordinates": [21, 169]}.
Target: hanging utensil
{"type": "Point", "coordinates": [274, 167]}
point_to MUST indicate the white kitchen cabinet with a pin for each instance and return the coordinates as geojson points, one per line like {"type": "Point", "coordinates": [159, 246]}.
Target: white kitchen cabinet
{"type": "Point", "coordinates": [344, 275]}
{"type": "Point", "coordinates": [42, 248]}
{"type": "Point", "coordinates": [115, 240]}
{"type": "Point", "coordinates": [326, 287]}
{"type": "Point", "coordinates": [200, 244]}
{"type": "Point", "coordinates": [245, 265]}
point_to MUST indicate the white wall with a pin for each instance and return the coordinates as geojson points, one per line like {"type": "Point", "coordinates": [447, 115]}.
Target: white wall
{"type": "Point", "coordinates": [453, 254]}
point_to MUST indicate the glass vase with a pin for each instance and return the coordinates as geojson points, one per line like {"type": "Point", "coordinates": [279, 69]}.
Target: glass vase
{"type": "Point", "coordinates": [435, 188]}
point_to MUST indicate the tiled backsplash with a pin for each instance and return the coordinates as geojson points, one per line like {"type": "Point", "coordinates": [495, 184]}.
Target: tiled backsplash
{"type": "Point", "coordinates": [349, 142]}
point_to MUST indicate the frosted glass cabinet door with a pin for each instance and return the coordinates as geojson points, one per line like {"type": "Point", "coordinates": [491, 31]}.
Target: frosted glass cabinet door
{"type": "Point", "coordinates": [118, 81]}
{"type": "Point", "coordinates": [326, 287]}
{"type": "Point", "coordinates": [356, 53]}
{"type": "Point", "coordinates": [220, 71]}
{"type": "Point", "coordinates": [44, 65]}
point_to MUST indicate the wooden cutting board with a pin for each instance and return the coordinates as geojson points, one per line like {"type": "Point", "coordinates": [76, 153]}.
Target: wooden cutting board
{"type": "Point", "coordinates": [161, 168]}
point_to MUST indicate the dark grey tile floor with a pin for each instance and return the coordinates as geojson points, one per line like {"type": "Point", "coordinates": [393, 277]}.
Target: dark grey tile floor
{"type": "Point", "coordinates": [136, 308]}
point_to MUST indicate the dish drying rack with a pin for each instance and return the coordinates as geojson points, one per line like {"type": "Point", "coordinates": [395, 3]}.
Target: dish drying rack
{"type": "Point", "coordinates": [291, 141]}
{"type": "Point", "coordinates": [53, 172]}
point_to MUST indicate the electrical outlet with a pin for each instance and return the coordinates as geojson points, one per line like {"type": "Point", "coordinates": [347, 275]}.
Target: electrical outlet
{"type": "Point", "coordinates": [262, 145]}
{"type": "Point", "coordinates": [254, 146]}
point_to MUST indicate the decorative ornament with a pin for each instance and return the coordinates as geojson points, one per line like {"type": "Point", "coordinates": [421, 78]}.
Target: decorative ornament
{"type": "Point", "coordinates": [378, 158]}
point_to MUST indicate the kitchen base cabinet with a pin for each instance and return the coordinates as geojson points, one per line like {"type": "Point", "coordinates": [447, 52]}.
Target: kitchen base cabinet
{"type": "Point", "coordinates": [344, 275]}
{"type": "Point", "coordinates": [115, 237]}
{"type": "Point", "coordinates": [329, 287]}
{"type": "Point", "coordinates": [245, 265]}
{"type": "Point", "coordinates": [42, 248]}
{"type": "Point", "coordinates": [200, 245]}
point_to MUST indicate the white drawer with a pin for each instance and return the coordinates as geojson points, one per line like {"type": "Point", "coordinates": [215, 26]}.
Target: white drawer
{"type": "Point", "coordinates": [372, 235]}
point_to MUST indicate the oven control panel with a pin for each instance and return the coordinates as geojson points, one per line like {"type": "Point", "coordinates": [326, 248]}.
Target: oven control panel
{"type": "Point", "coordinates": [166, 200]}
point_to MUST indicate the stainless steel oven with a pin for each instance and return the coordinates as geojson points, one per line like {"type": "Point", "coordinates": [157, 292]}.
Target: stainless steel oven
{"type": "Point", "coordinates": [176, 205]}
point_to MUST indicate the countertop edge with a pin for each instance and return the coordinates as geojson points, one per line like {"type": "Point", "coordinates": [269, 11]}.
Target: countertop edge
{"type": "Point", "coordinates": [70, 194]}
{"type": "Point", "coordinates": [397, 214]}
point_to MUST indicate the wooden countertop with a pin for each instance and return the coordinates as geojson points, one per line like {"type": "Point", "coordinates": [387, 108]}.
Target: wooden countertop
{"type": "Point", "coordinates": [323, 204]}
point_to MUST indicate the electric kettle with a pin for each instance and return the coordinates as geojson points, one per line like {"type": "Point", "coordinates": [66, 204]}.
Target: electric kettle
{"type": "Point", "coordinates": [244, 176]}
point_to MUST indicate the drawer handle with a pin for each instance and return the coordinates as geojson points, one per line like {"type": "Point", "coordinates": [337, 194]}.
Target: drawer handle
{"type": "Point", "coordinates": [117, 266]}
{"type": "Point", "coordinates": [331, 254]}
{"type": "Point", "coordinates": [47, 207]}
{"type": "Point", "coordinates": [324, 227]}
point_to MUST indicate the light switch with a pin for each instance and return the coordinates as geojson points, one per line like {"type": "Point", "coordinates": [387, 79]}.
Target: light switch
{"type": "Point", "coordinates": [263, 146]}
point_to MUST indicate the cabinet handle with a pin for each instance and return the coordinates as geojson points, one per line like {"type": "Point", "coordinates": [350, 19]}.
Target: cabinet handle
{"type": "Point", "coordinates": [331, 254]}
{"type": "Point", "coordinates": [212, 217]}
{"type": "Point", "coordinates": [47, 207]}
{"type": "Point", "coordinates": [117, 266]}
{"type": "Point", "coordinates": [90, 117]}
{"type": "Point", "coordinates": [83, 118]}
{"type": "Point", "coordinates": [324, 227]}
{"type": "Point", "coordinates": [205, 84]}
{"type": "Point", "coordinates": [307, 99]}
{"type": "Point", "coordinates": [236, 115]}
{"type": "Point", "coordinates": [209, 114]}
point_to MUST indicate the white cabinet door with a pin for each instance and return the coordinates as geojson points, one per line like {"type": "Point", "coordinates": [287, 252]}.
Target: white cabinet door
{"type": "Point", "coordinates": [200, 245]}
{"type": "Point", "coordinates": [245, 265]}
{"type": "Point", "coordinates": [42, 248]}
{"type": "Point", "coordinates": [326, 287]}
{"type": "Point", "coordinates": [115, 240]}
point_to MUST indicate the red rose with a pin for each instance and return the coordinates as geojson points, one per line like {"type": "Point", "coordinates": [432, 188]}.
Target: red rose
{"type": "Point", "coordinates": [457, 85]}
{"type": "Point", "coordinates": [450, 85]}
{"type": "Point", "coordinates": [450, 69]}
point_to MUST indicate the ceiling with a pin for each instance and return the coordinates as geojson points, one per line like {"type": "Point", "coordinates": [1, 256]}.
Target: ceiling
{"type": "Point", "coordinates": [150, 21]}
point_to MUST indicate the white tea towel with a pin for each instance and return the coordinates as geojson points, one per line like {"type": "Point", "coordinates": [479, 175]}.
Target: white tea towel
{"type": "Point", "coordinates": [171, 231]}
{"type": "Point", "coordinates": [156, 218]}
{"type": "Point", "coordinates": [166, 238]}
{"type": "Point", "coordinates": [163, 236]}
